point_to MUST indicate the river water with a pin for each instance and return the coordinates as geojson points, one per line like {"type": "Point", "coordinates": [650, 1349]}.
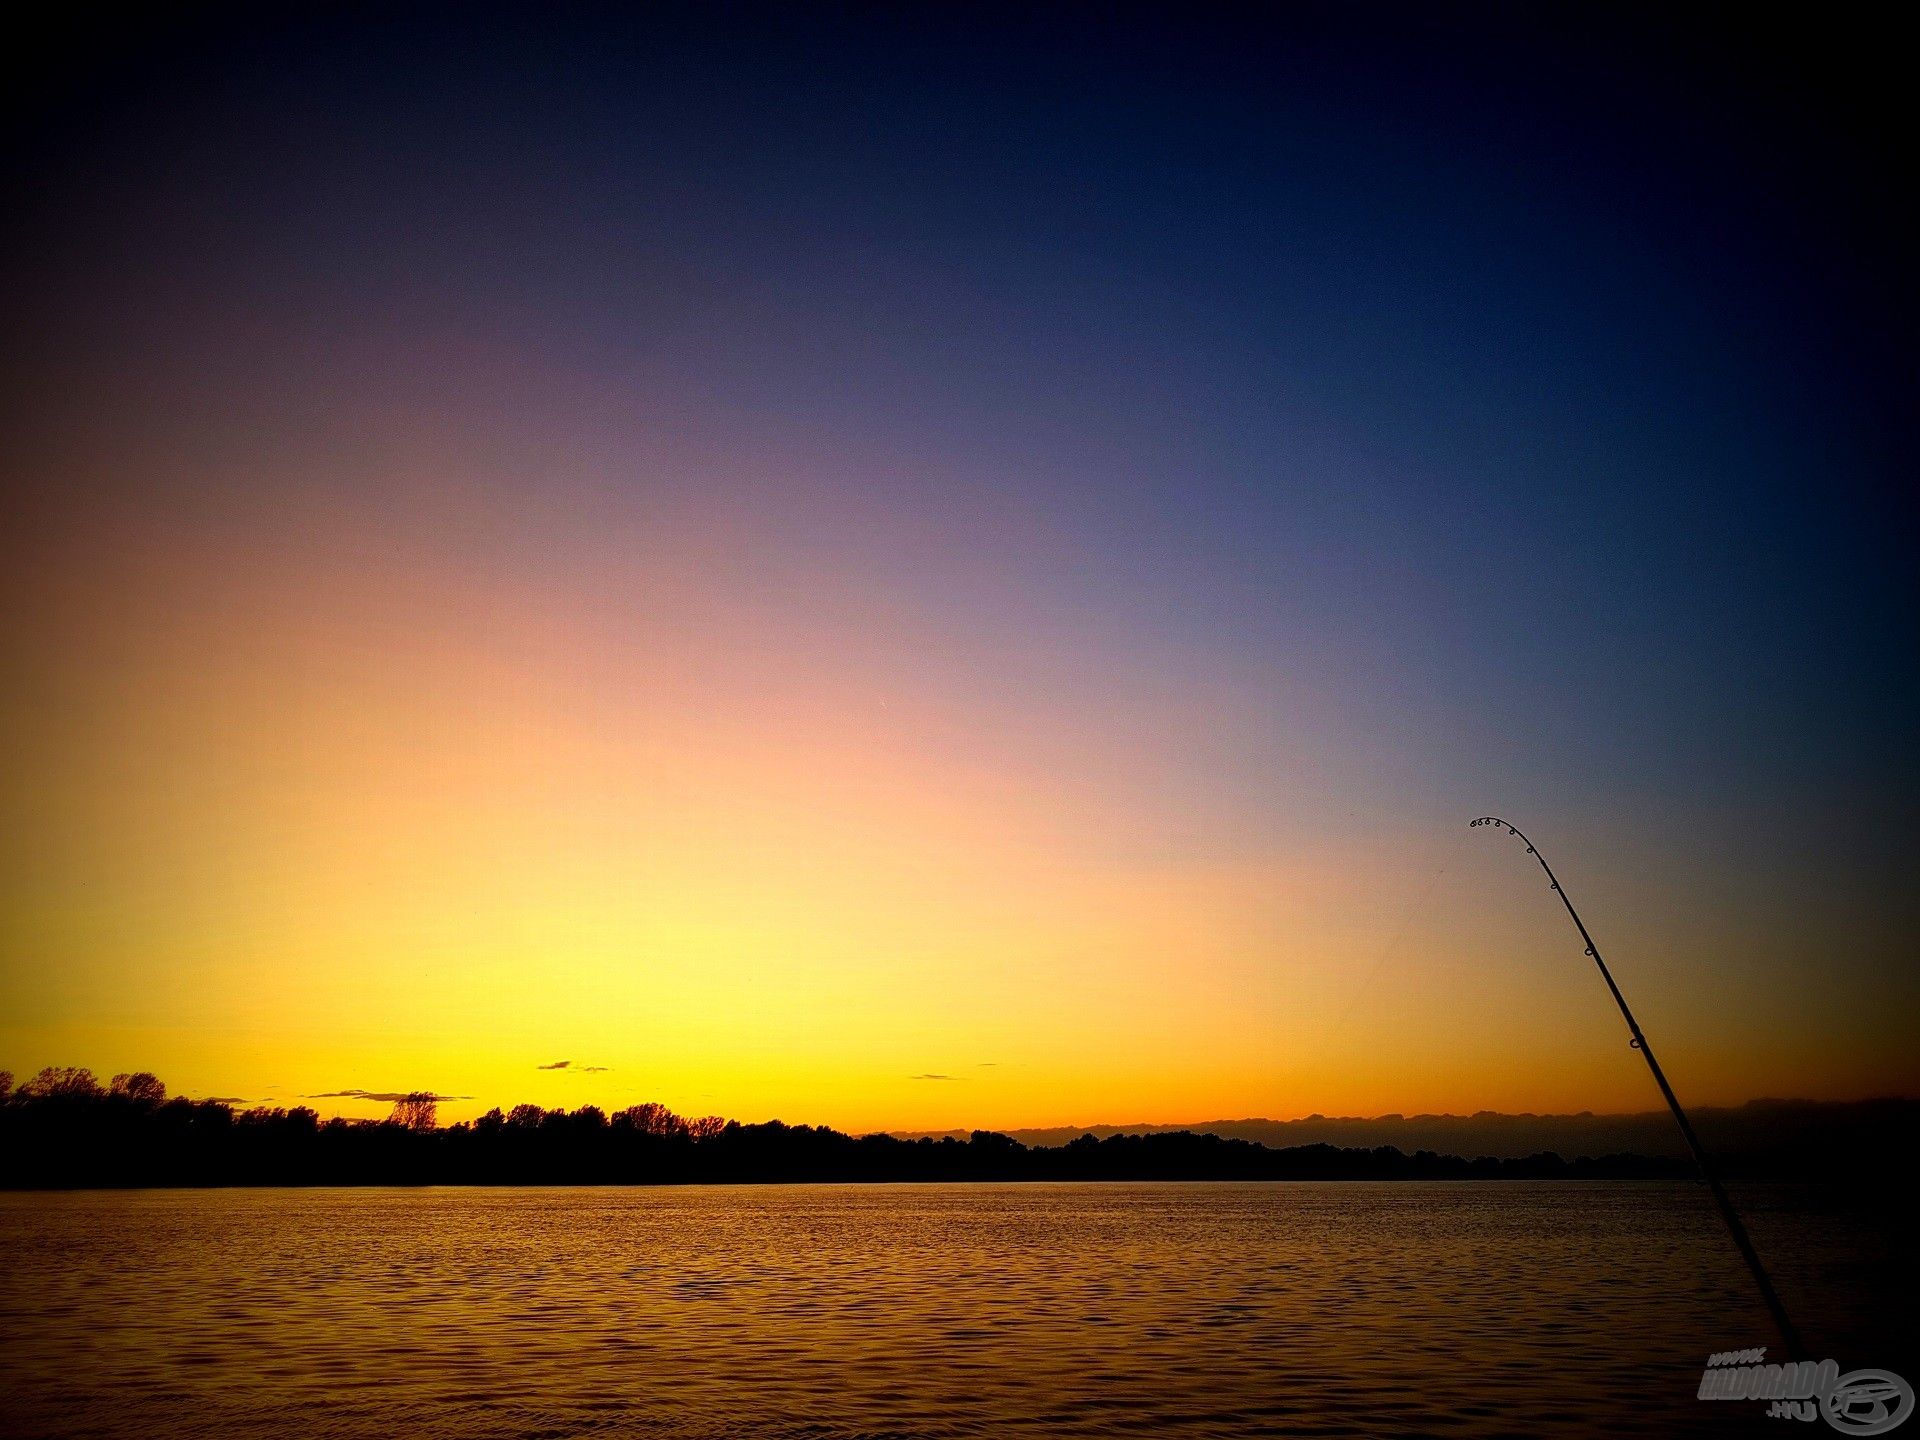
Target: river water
{"type": "Point", "coordinates": [1477, 1308]}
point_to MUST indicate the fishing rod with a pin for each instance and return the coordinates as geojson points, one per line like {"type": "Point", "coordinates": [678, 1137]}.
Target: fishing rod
{"type": "Point", "coordinates": [1639, 1042]}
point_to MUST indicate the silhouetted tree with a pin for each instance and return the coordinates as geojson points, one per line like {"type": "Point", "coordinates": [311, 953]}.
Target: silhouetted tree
{"type": "Point", "coordinates": [418, 1111]}
{"type": "Point", "coordinates": [66, 1082]}
{"type": "Point", "coordinates": [60, 1128]}
{"type": "Point", "coordinates": [654, 1119]}
{"type": "Point", "coordinates": [142, 1086]}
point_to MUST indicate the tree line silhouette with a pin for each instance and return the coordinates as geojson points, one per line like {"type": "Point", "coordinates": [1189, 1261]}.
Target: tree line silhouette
{"type": "Point", "coordinates": [62, 1129]}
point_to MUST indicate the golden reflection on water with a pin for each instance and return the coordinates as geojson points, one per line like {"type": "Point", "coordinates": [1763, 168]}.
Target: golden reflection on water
{"type": "Point", "coordinates": [936, 1311]}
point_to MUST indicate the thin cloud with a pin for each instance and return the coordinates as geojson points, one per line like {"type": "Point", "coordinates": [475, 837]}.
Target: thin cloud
{"type": "Point", "coordinates": [557, 1065]}
{"type": "Point", "coordinates": [576, 1069]}
{"type": "Point", "coordinates": [930, 1076]}
{"type": "Point", "coordinates": [385, 1097]}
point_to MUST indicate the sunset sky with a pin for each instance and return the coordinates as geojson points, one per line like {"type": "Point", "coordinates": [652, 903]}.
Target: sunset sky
{"type": "Point", "coordinates": [894, 575]}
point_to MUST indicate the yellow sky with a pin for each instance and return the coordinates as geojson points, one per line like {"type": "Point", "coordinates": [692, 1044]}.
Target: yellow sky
{"type": "Point", "coordinates": [312, 808]}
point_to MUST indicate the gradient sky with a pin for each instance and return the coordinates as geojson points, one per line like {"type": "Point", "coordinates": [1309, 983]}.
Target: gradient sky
{"type": "Point", "coordinates": [903, 570]}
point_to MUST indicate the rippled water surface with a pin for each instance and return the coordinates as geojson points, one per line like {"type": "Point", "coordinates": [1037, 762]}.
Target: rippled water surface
{"type": "Point", "coordinates": [959, 1310]}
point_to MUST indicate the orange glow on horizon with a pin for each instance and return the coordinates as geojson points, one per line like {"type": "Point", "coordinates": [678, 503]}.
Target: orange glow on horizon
{"type": "Point", "coordinates": [313, 809]}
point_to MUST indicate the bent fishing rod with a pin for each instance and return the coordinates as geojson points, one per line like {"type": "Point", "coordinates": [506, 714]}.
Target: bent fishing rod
{"type": "Point", "coordinates": [1639, 1042]}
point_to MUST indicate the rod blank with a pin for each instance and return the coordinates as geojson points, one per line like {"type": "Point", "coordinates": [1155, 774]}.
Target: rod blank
{"type": "Point", "coordinates": [1639, 1042]}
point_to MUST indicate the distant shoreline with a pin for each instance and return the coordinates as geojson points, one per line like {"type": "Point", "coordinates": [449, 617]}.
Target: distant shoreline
{"type": "Point", "coordinates": [1759, 1125]}
{"type": "Point", "coordinates": [62, 1130]}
